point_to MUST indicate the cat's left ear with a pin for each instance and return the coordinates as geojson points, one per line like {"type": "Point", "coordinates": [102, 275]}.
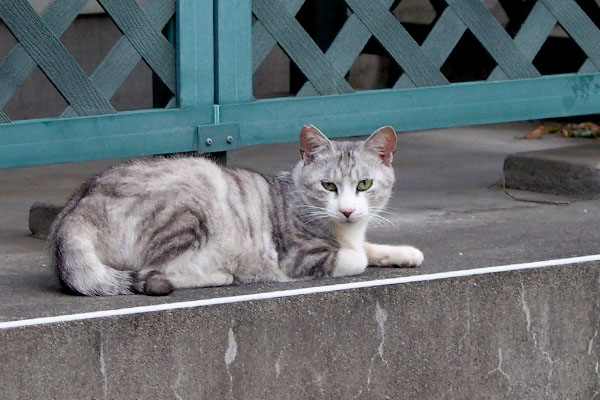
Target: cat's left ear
{"type": "Point", "coordinates": [383, 143]}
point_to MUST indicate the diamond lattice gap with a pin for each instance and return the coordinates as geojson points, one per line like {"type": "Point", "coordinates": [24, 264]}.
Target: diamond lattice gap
{"type": "Point", "coordinates": [415, 11]}
{"type": "Point", "coordinates": [497, 11]}
{"type": "Point", "coordinates": [559, 54]}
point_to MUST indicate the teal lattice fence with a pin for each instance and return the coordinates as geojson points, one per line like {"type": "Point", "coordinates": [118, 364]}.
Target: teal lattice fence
{"type": "Point", "coordinates": [220, 44]}
{"type": "Point", "coordinates": [90, 128]}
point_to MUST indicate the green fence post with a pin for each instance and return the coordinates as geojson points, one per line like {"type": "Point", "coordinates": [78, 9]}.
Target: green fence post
{"type": "Point", "coordinates": [195, 66]}
{"type": "Point", "coordinates": [233, 54]}
{"type": "Point", "coordinates": [233, 51]}
{"type": "Point", "coordinates": [195, 62]}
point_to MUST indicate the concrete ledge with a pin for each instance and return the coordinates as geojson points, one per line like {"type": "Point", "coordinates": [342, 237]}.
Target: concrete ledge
{"type": "Point", "coordinates": [571, 171]}
{"type": "Point", "coordinates": [521, 334]}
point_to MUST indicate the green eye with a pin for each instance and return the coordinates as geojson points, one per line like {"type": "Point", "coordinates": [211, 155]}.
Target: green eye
{"type": "Point", "coordinates": [329, 186]}
{"type": "Point", "coordinates": [365, 184]}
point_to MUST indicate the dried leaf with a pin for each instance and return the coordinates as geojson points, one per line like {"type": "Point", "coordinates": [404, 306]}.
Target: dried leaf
{"type": "Point", "coordinates": [537, 133]}
{"type": "Point", "coordinates": [582, 133]}
{"type": "Point", "coordinates": [589, 126]}
{"type": "Point", "coordinates": [576, 130]}
{"type": "Point", "coordinates": [554, 127]}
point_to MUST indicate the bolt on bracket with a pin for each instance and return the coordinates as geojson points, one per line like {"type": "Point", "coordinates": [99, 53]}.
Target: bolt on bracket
{"type": "Point", "coordinates": [218, 137]}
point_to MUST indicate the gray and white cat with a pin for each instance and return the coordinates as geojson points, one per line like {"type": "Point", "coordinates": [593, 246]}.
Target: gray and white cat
{"type": "Point", "coordinates": [162, 224]}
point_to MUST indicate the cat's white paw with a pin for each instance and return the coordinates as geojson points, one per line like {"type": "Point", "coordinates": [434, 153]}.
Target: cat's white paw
{"type": "Point", "coordinates": [409, 257]}
{"type": "Point", "coordinates": [349, 262]}
{"type": "Point", "coordinates": [396, 256]}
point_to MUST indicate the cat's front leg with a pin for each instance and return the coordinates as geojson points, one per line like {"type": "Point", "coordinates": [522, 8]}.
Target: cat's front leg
{"type": "Point", "coordinates": [381, 255]}
{"type": "Point", "coordinates": [349, 262]}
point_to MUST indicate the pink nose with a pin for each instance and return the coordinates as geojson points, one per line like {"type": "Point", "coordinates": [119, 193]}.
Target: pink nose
{"type": "Point", "coordinates": [347, 212]}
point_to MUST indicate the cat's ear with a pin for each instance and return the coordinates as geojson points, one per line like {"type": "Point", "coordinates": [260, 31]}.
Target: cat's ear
{"type": "Point", "coordinates": [312, 142]}
{"type": "Point", "coordinates": [383, 143]}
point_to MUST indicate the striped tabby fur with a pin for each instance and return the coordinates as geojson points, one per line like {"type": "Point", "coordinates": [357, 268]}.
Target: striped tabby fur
{"type": "Point", "coordinates": [156, 225]}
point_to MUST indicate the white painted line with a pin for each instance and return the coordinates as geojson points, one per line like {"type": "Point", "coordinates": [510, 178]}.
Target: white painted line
{"type": "Point", "coordinates": [294, 292]}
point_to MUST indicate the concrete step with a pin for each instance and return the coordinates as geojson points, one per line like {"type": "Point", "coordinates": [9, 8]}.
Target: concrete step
{"type": "Point", "coordinates": [571, 171]}
{"type": "Point", "coordinates": [516, 332]}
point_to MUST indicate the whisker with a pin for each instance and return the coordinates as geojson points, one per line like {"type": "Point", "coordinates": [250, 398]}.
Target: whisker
{"type": "Point", "coordinates": [392, 208]}
{"type": "Point", "coordinates": [383, 208]}
{"type": "Point", "coordinates": [384, 212]}
{"type": "Point", "coordinates": [378, 220]}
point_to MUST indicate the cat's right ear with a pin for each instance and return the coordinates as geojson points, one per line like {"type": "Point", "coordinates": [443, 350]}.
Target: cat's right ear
{"type": "Point", "coordinates": [312, 142]}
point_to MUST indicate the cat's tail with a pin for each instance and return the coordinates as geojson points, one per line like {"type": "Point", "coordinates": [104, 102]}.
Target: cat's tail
{"type": "Point", "coordinates": [80, 271]}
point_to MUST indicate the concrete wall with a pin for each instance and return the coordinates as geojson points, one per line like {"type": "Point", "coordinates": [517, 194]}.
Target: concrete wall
{"type": "Point", "coordinates": [517, 335]}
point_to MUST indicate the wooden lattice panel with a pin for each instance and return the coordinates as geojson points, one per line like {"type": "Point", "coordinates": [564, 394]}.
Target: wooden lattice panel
{"type": "Point", "coordinates": [325, 71]}
{"type": "Point", "coordinates": [39, 46]}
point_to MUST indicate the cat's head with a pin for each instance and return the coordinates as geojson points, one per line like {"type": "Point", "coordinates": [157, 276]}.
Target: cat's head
{"type": "Point", "coordinates": [345, 182]}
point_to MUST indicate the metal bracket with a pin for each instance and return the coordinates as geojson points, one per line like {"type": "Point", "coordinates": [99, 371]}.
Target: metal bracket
{"type": "Point", "coordinates": [220, 137]}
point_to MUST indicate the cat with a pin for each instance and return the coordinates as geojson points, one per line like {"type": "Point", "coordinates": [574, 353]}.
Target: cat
{"type": "Point", "coordinates": [156, 225]}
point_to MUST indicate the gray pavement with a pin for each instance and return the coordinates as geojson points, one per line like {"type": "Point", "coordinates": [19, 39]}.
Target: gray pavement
{"type": "Point", "coordinates": [447, 202]}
